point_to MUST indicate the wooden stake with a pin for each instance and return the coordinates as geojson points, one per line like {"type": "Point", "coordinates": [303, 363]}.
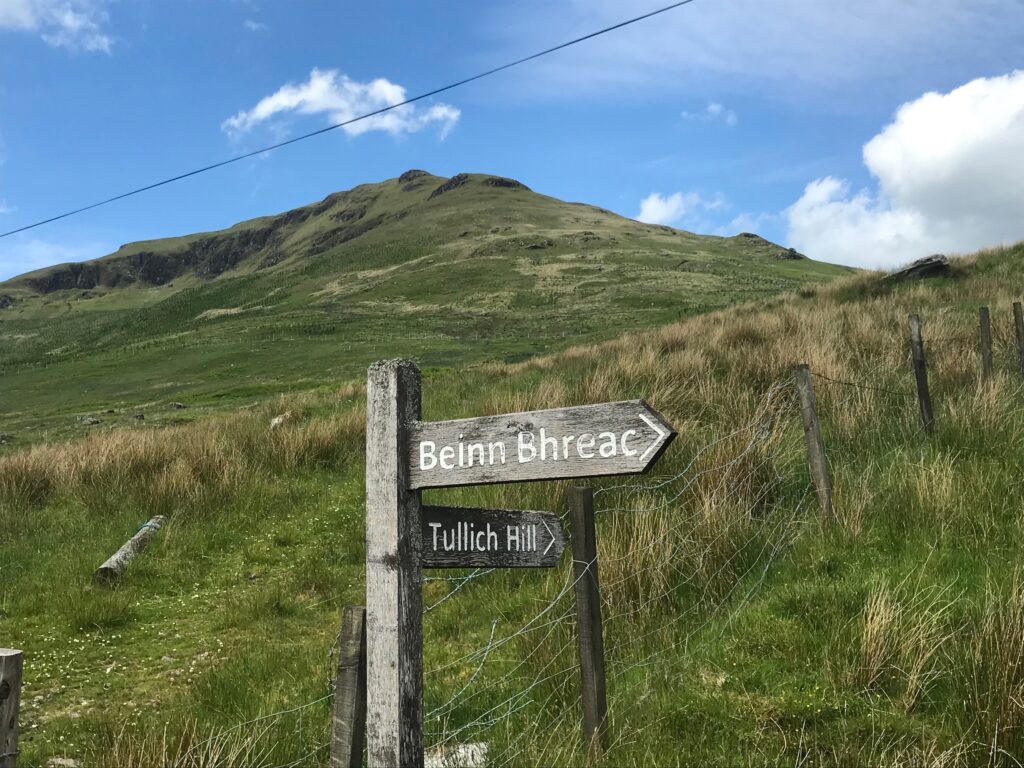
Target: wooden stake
{"type": "Point", "coordinates": [588, 615]}
{"type": "Point", "coordinates": [349, 724]}
{"type": "Point", "coordinates": [812, 432]}
{"type": "Point", "coordinates": [1018, 321]}
{"type": "Point", "coordinates": [924, 398]}
{"type": "Point", "coordinates": [985, 342]}
{"type": "Point", "coordinates": [11, 667]}
{"type": "Point", "coordinates": [394, 599]}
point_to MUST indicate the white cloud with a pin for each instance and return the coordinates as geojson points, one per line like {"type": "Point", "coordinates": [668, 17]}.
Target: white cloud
{"type": "Point", "coordinates": [73, 24]}
{"type": "Point", "coordinates": [4, 207]}
{"type": "Point", "coordinates": [254, 26]}
{"type": "Point", "coordinates": [713, 111]}
{"type": "Point", "coordinates": [675, 208]}
{"type": "Point", "coordinates": [950, 177]}
{"type": "Point", "coordinates": [339, 98]}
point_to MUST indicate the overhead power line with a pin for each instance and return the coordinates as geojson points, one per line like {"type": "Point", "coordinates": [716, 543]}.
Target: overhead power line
{"type": "Point", "coordinates": [342, 124]}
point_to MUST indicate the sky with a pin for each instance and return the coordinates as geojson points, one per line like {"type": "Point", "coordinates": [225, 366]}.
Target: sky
{"type": "Point", "coordinates": [868, 133]}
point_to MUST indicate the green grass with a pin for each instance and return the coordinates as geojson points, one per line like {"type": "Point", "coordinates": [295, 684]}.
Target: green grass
{"type": "Point", "coordinates": [450, 280]}
{"type": "Point", "coordinates": [740, 628]}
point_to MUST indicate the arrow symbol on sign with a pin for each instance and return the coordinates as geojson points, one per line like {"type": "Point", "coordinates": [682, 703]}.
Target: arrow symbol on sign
{"type": "Point", "coordinates": [550, 534]}
{"type": "Point", "coordinates": [661, 435]}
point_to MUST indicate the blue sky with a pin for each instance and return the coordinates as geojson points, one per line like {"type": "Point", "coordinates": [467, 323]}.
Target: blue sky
{"type": "Point", "coordinates": [866, 133]}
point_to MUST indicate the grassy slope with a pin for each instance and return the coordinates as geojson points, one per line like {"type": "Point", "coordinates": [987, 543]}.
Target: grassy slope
{"type": "Point", "coordinates": [739, 629]}
{"type": "Point", "coordinates": [477, 273]}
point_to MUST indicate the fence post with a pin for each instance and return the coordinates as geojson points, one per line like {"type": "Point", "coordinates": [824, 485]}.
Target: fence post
{"type": "Point", "coordinates": [348, 726]}
{"type": "Point", "coordinates": [1018, 321]}
{"type": "Point", "coordinates": [985, 342]}
{"type": "Point", "coordinates": [394, 597]}
{"type": "Point", "coordinates": [815, 446]}
{"type": "Point", "coordinates": [924, 398]}
{"type": "Point", "coordinates": [11, 666]}
{"type": "Point", "coordinates": [588, 617]}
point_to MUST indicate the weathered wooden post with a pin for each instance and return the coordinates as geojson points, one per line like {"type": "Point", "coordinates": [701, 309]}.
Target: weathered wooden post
{"type": "Point", "coordinates": [116, 564]}
{"type": "Point", "coordinates": [985, 344]}
{"type": "Point", "coordinates": [588, 619]}
{"type": "Point", "coordinates": [816, 459]}
{"type": "Point", "coordinates": [394, 599]}
{"type": "Point", "coordinates": [1018, 322]}
{"type": "Point", "coordinates": [348, 726]}
{"type": "Point", "coordinates": [11, 667]}
{"type": "Point", "coordinates": [924, 398]}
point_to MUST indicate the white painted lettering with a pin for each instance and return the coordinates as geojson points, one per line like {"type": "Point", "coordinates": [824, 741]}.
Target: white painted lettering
{"type": "Point", "coordinates": [433, 529]}
{"type": "Point", "coordinates": [427, 449]}
{"type": "Point", "coordinates": [544, 441]}
{"type": "Point", "coordinates": [512, 538]}
{"type": "Point", "coordinates": [501, 447]}
{"type": "Point", "coordinates": [586, 443]}
{"type": "Point", "coordinates": [447, 453]}
{"type": "Point", "coordinates": [625, 448]}
{"type": "Point", "coordinates": [609, 445]}
{"type": "Point", "coordinates": [527, 451]}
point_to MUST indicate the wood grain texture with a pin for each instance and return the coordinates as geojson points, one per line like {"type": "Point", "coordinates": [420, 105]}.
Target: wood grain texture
{"type": "Point", "coordinates": [985, 344]}
{"type": "Point", "coordinates": [488, 449]}
{"type": "Point", "coordinates": [11, 669]}
{"type": "Point", "coordinates": [588, 617]}
{"type": "Point", "coordinates": [513, 538]}
{"type": "Point", "coordinates": [1018, 324]}
{"type": "Point", "coordinates": [118, 562]}
{"type": "Point", "coordinates": [394, 601]}
{"type": "Point", "coordinates": [348, 725]}
{"type": "Point", "coordinates": [816, 459]}
{"type": "Point", "coordinates": [917, 360]}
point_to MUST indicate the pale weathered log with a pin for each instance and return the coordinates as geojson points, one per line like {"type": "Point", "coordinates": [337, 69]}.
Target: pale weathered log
{"type": "Point", "coordinates": [11, 664]}
{"type": "Point", "coordinates": [118, 562]}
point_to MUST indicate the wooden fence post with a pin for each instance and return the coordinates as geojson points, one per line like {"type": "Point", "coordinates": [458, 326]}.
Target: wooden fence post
{"type": "Point", "coordinates": [394, 598]}
{"type": "Point", "coordinates": [588, 616]}
{"type": "Point", "coordinates": [924, 398]}
{"type": "Point", "coordinates": [1018, 321]}
{"type": "Point", "coordinates": [985, 344]}
{"type": "Point", "coordinates": [11, 665]}
{"type": "Point", "coordinates": [348, 727]}
{"type": "Point", "coordinates": [816, 459]}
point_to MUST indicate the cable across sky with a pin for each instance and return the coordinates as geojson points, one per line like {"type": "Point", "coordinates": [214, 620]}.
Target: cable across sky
{"type": "Point", "coordinates": [335, 126]}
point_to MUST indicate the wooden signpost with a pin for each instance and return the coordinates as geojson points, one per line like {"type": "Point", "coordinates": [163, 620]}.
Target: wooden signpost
{"type": "Point", "coordinates": [405, 455]}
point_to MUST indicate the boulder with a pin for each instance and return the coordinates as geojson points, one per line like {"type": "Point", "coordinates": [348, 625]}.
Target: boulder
{"type": "Point", "coordinates": [178, 406]}
{"type": "Point", "coordinates": [6, 302]}
{"type": "Point", "coordinates": [279, 421]}
{"type": "Point", "coordinates": [935, 265]}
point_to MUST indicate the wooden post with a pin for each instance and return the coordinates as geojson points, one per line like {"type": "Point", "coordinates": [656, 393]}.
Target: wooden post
{"type": "Point", "coordinates": [11, 664]}
{"type": "Point", "coordinates": [394, 599]}
{"type": "Point", "coordinates": [349, 723]}
{"type": "Point", "coordinates": [815, 446]}
{"type": "Point", "coordinates": [1018, 321]}
{"type": "Point", "coordinates": [588, 615]}
{"type": "Point", "coordinates": [118, 562]}
{"type": "Point", "coordinates": [924, 398]}
{"type": "Point", "coordinates": [985, 343]}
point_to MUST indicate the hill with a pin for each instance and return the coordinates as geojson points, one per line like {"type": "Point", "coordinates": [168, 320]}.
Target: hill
{"type": "Point", "coordinates": [741, 626]}
{"type": "Point", "coordinates": [456, 270]}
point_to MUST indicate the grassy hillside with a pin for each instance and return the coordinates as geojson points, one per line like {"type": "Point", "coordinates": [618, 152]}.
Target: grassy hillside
{"type": "Point", "coordinates": [741, 628]}
{"type": "Point", "coordinates": [455, 271]}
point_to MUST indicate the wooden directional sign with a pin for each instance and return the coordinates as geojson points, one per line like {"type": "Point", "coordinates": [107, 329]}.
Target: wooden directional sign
{"type": "Point", "coordinates": [458, 537]}
{"type": "Point", "coordinates": [623, 438]}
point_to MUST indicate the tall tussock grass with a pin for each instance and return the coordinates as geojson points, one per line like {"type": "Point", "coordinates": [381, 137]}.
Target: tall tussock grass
{"type": "Point", "coordinates": [194, 466]}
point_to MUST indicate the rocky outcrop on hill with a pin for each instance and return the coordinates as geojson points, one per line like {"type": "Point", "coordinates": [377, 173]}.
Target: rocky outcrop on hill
{"type": "Point", "coordinates": [6, 302]}
{"type": "Point", "coordinates": [455, 181]}
{"type": "Point", "coordinates": [935, 265]}
{"type": "Point", "coordinates": [501, 181]}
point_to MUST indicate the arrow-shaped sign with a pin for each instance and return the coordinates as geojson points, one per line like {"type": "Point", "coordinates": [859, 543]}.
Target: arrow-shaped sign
{"type": "Point", "coordinates": [460, 537]}
{"type": "Point", "coordinates": [623, 438]}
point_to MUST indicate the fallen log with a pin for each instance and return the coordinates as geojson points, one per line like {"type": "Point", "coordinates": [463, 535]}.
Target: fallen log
{"type": "Point", "coordinates": [117, 563]}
